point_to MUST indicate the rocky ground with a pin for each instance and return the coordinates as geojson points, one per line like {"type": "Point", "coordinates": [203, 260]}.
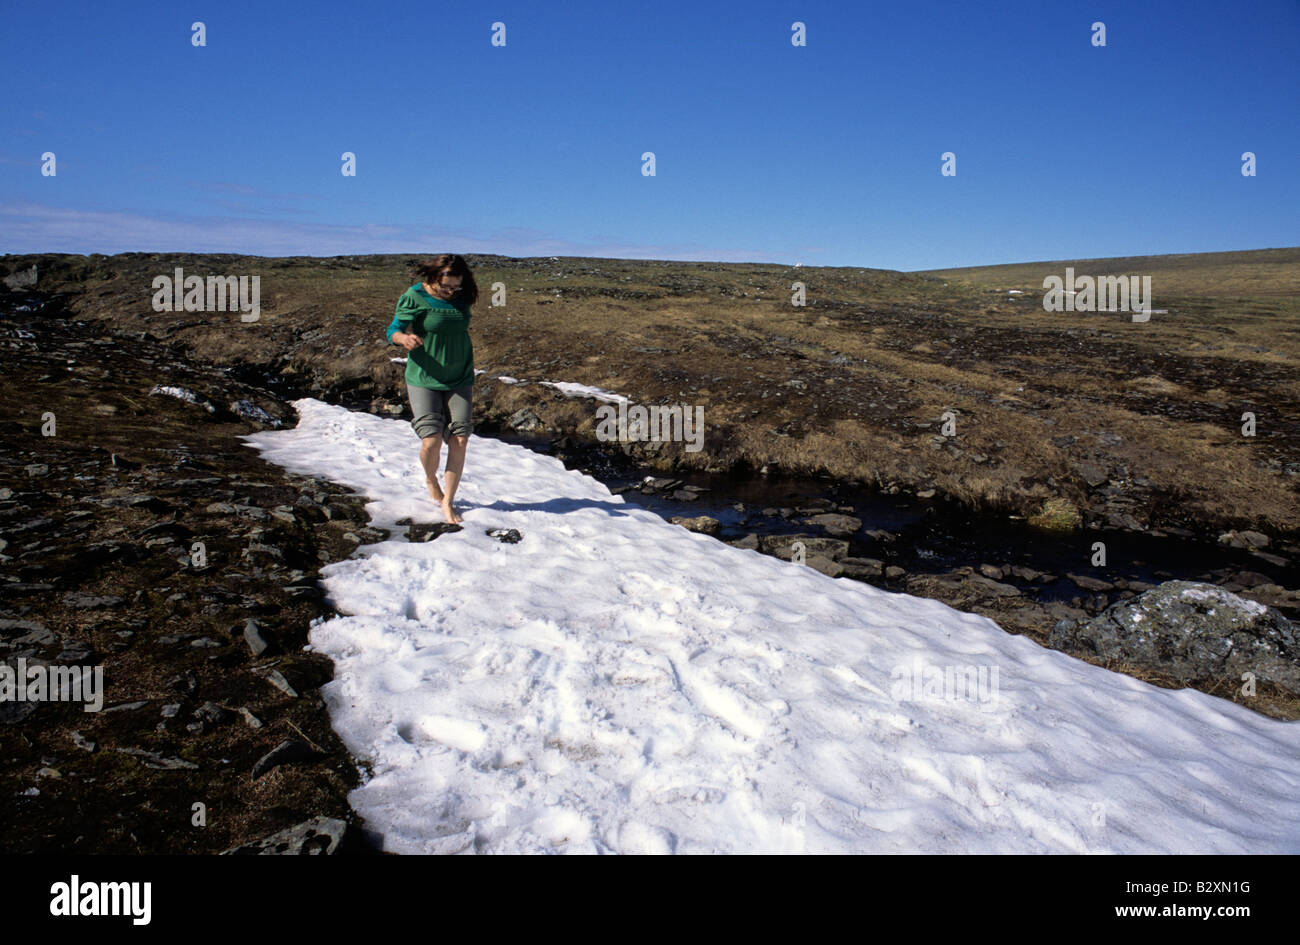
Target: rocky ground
{"type": "Point", "coordinates": [141, 536]}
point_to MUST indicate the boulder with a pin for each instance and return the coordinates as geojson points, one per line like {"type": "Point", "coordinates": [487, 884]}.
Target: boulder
{"type": "Point", "coordinates": [1191, 631]}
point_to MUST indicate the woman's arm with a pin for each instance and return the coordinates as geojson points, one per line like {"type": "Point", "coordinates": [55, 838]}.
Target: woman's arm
{"type": "Point", "coordinates": [399, 326]}
{"type": "Point", "coordinates": [406, 311]}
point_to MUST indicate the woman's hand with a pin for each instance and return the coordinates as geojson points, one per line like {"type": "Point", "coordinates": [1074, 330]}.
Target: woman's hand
{"type": "Point", "coordinates": [409, 341]}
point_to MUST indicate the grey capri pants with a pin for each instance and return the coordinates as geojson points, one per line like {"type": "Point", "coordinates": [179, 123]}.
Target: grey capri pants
{"type": "Point", "coordinates": [433, 411]}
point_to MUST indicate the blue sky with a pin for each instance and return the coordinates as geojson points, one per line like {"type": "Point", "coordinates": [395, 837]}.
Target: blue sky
{"type": "Point", "coordinates": [827, 154]}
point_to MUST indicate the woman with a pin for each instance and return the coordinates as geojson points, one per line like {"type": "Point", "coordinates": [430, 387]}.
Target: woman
{"type": "Point", "coordinates": [432, 324]}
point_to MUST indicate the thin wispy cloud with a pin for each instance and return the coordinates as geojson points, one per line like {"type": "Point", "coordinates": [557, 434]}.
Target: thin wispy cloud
{"type": "Point", "coordinates": [28, 228]}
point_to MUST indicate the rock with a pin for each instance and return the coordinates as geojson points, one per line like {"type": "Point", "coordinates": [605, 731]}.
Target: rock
{"type": "Point", "coordinates": [750, 541]}
{"type": "Point", "coordinates": [1275, 560]}
{"type": "Point", "coordinates": [702, 524]}
{"type": "Point", "coordinates": [249, 718]}
{"type": "Point", "coordinates": [429, 531]}
{"type": "Point", "coordinates": [1273, 595]}
{"type": "Point", "coordinates": [654, 484]}
{"type": "Point", "coordinates": [524, 420]}
{"type": "Point", "coordinates": [992, 571]}
{"type": "Point", "coordinates": [87, 601]}
{"type": "Point", "coordinates": [1092, 474]}
{"type": "Point", "coordinates": [84, 743]}
{"type": "Point", "coordinates": [253, 636]}
{"type": "Point", "coordinates": [153, 759]}
{"type": "Point", "coordinates": [894, 571]}
{"type": "Point", "coordinates": [126, 706]}
{"type": "Point", "coordinates": [22, 279]}
{"type": "Point", "coordinates": [276, 679]}
{"type": "Point", "coordinates": [825, 565]}
{"type": "Point", "coordinates": [256, 548]}
{"type": "Point", "coordinates": [318, 836]}
{"type": "Point", "coordinates": [1064, 612]}
{"type": "Point", "coordinates": [842, 526]}
{"type": "Point", "coordinates": [926, 494]}
{"type": "Point", "coordinates": [879, 534]}
{"type": "Point", "coordinates": [287, 752]}
{"type": "Point", "coordinates": [250, 411]}
{"type": "Point", "coordinates": [26, 627]}
{"type": "Point", "coordinates": [41, 636]}
{"type": "Point", "coordinates": [780, 546]}
{"type": "Point", "coordinates": [989, 587]}
{"type": "Point", "coordinates": [1091, 583]}
{"type": "Point", "coordinates": [1191, 631]}
{"type": "Point", "coordinates": [1244, 539]}
{"type": "Point", "coordinates": [1123, 520]}
{"type": "Point", "coordinates": [1251, 578]}
{"type": "Point", "coordinates": [213, 714]}
{"type": "Point", "coordinates": [861, 568]}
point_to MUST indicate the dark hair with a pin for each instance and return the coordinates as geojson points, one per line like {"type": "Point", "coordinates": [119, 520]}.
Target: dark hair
{"type": "Point", "coordinates": [432, 269]}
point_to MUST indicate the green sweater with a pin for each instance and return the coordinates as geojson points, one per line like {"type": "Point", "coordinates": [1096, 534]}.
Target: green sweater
{"type": "Point", "coordinates": [446, 362]}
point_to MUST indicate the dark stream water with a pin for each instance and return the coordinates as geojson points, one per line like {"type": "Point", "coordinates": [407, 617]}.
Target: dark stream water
{"type": "Point", "coordinates": [931, 536]}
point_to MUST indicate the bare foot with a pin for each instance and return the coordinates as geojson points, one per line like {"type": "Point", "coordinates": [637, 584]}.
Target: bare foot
{"type": "Point", "coordinates": [434, 492]}
{"type": "Point", "coordinates": [449, 512]}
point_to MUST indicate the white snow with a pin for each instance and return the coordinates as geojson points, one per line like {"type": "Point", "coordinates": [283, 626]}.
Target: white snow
{"type": "Point", "coordinates": [614, 683]}
{"type": "Point", "coordinates": [183, 393]}
{"type": "Point", "coordinates": [583, 390]}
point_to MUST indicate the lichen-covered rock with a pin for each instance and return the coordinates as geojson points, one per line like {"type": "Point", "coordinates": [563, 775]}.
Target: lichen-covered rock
{"type": "Point", "coordinates": [318, 836]}
{"type": "Point", "coordinates": [701, 523]}
{"type": "Point", "coordinates": [1191, 631]}
{"type": "Point", "coordinates": [782, 546]}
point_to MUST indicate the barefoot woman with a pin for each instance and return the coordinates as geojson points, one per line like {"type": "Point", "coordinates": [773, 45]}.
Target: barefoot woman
{"type": "Point", "coordinates": [432, 324]}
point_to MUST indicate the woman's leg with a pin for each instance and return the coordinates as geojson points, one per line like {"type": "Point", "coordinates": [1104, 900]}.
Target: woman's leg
{"type": "Point", "coordinates": [460, 406]}
{"type": "Point", "coordinates": [427, 419]}
{"type": "Point", "coordinates": [430, 456]}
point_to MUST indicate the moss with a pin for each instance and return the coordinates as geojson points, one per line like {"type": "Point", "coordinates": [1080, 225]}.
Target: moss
{"type": "Point", "coordinates": [1057, 515]}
